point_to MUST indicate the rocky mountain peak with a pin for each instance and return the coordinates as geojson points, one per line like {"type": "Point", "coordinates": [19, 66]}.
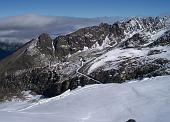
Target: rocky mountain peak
{"type": "Point", "coordinates": [132, 49]}
{"type": "Point", "coordinates": [44, 37]}
{"type": "Point", "coordinates": [43, 45]}
{"type": "Point", "coordinates": [45, 40]}
{"type": "Point", "coordinates": [104, 25]}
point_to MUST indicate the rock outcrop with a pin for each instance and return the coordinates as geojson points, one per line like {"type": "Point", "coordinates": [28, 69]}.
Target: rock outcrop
{"type": "Point", "coordinates": [132, 49]}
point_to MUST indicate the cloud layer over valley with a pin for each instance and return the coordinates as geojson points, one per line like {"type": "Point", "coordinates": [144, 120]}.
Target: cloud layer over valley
{"type": "Point", "coordinates": [24, 27]}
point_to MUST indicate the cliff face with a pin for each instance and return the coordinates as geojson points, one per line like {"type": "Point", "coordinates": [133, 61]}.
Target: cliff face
{"type": "Point", "coordinates": [132, 49]}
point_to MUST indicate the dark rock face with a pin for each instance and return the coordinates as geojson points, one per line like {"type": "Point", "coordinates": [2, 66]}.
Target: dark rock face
{"type": "Point", "coordinates": [40, 81]}
{"type": "Point", "coordinates": [162, 41]}
{"type": "Point", "coordinates": [133, 69]}
{"type": "Point", "coordinates": [37, 80]}
{"type": "Point", "coordinates": [50, 67]}
{"type": "Point", "coordinates": [135, 42]}
{"type": "Point", "coordinates": [45, 44]}
{"type": "Point", "coordinates": [85, 37]}
{"type": "Point", "coordinates": [153, 52]}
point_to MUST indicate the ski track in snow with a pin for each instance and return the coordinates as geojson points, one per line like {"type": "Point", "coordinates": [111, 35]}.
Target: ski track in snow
{"type": "Point", "coordinates": [86, 75]}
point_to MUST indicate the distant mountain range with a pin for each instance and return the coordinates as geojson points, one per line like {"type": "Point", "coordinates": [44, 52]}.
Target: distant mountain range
{"type": "Point", "coordinates": [22, 28]}
{"type": "Point", "coordinates": [17, 30]}
{"type": "Point", "coordinates": [135, 48]}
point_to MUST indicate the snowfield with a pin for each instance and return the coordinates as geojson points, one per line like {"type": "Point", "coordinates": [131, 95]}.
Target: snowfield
{"type": "Point", "coordinates": [147, 100]}
{"type": "Point", "coordinates": [114, 56]}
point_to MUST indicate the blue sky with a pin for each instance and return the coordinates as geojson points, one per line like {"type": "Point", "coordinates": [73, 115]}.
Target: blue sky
{"type": "Point", "coordinates": [85, 8]}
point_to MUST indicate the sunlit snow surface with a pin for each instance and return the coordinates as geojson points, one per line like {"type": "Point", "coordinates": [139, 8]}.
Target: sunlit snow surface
{"type": "Point", "coordinates": [117, 54]}
{"type": "Point", "coordinates": [145, 101]}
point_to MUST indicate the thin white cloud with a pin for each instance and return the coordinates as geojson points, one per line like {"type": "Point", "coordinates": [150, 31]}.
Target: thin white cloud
{"type": "Point", "coordinates": [25, 21]}
{"type": "Point", "coordinates": [27, 26]}
{"type": "Point", "coordinates": [7, 32]}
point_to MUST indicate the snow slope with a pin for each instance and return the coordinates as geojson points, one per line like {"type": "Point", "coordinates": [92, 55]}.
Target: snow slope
{"type": "Point", "coordinates": [115, 55]}
{"type": "Point", "coordinates": [145, 101]}
{"type": "Point", "coordinates": [118, 54]}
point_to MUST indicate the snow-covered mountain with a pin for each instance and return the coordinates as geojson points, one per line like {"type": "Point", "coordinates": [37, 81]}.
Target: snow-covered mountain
{"type": "Point", "coordinates": [131, 49]}
{"type": "Point", "coordinates": [144, 100]}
